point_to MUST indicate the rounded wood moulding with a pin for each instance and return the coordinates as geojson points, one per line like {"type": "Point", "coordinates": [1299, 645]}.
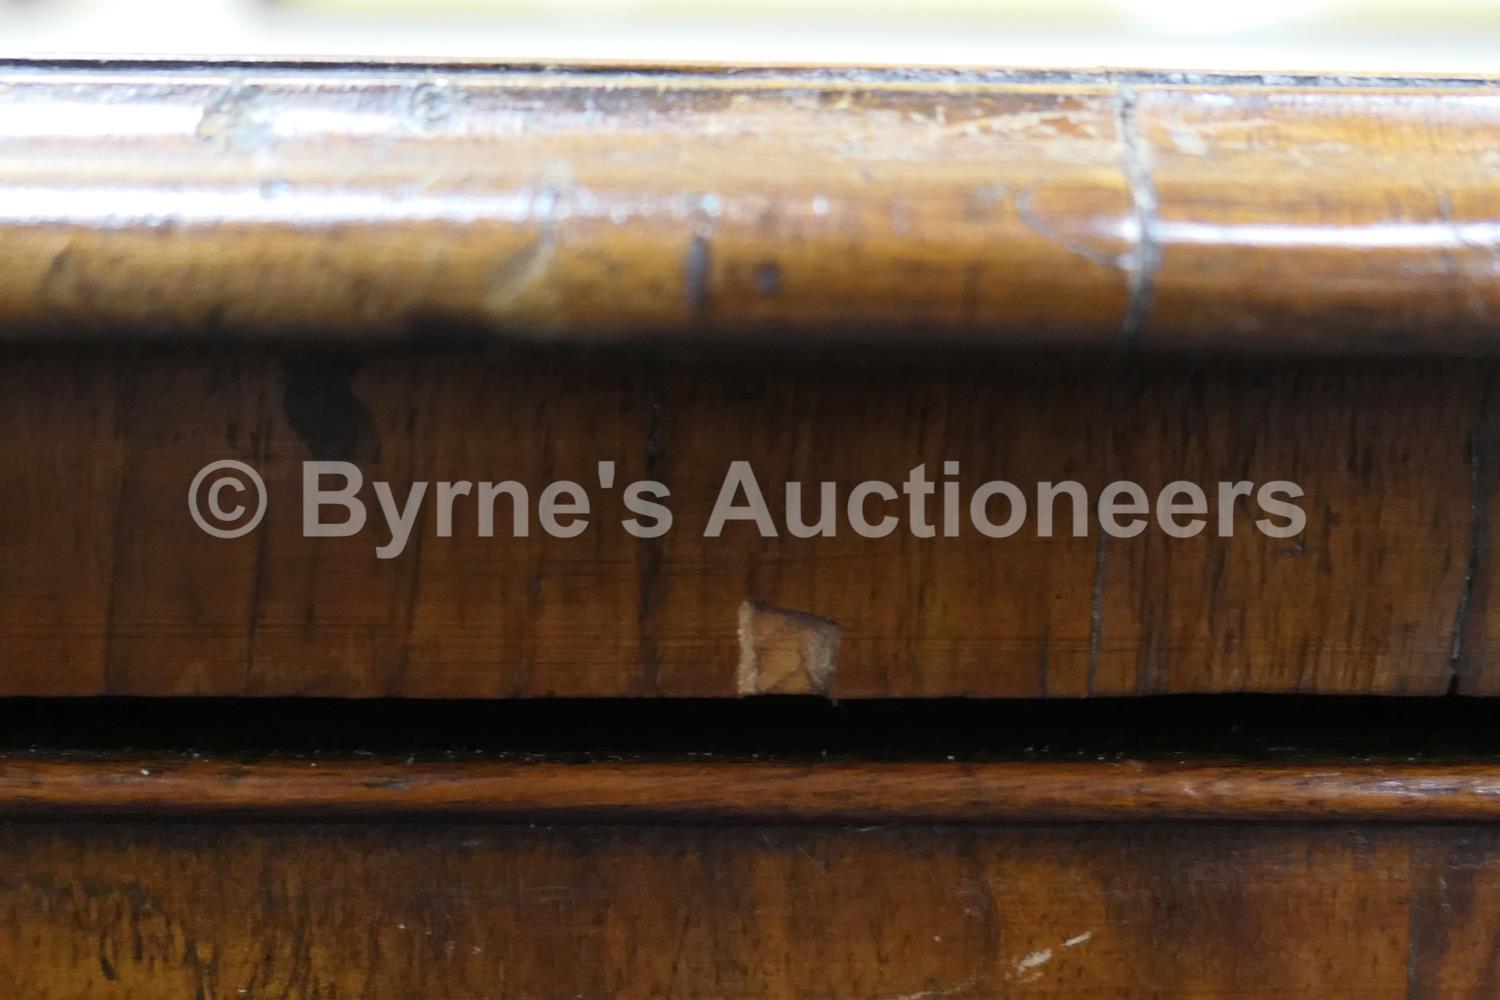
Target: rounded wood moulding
{"type": "Point", "coordinates": [720, 205]}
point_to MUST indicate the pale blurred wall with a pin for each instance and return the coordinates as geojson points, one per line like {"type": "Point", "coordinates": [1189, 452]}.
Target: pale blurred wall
{"type": "Point", "coordinates": [1443, 36]}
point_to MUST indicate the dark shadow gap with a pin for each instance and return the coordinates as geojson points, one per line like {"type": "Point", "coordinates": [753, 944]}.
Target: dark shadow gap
{"type": "Point", "coordinates": [1240, 726]}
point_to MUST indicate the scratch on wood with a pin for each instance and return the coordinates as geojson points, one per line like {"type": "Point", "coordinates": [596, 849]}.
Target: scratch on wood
{"type": "Point", "coordinates": [783, 651]}
{"type": "Point", "coordinates": [695, 274]}
{"type": "Point", "coordinates": [524, 270]}
{"type": "Point", "coordinates": [521, 269]}
{"type": "Point", "coordinates": [237, 118]}
{"type": "Point", "coordinates": [1033, 961]}
{"type": "Point", "coordinates": [1145, 255]}
{"type": "Point", "coordinates": [1479, 532]}
{"type": "Point", "coordinates": [1027, 213]}
{"type": "Point", "coordinates": [1096, 612]}
{"type": "Point", "coordinates": [652, 590]}
{"type": "Point", "coordinates": [932, 994]}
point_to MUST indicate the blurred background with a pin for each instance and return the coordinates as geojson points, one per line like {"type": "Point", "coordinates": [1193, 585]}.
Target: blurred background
{"type": "Point", "coordinates": [1440, 36]}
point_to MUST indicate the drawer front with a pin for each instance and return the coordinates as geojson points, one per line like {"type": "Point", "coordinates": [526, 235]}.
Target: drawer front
{"type": "Point", "coordinates": [109, 586]}
{"type": "Point", "coordinates": [388, 911]}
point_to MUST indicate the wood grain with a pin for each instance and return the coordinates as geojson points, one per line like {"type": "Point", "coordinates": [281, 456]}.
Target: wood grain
{"type": "Point", "coordinates": [1116, 211]}
{"type": "Point", "coordinates": [470, 910]}
{"type": "Point", "coordinates": [107, 586]}
{"type": "Point", "coordinates": [1268, 204]}
{"type": "Point", "coordinates": [1348, 789]}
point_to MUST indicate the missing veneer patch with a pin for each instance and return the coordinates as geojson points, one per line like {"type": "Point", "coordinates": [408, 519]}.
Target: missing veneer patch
{"type": "Point", "coordinates": [783, 651]}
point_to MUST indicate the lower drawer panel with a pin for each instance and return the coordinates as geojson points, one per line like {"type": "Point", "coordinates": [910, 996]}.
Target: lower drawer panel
{"type": "Point", "coordinates": [380, 910]}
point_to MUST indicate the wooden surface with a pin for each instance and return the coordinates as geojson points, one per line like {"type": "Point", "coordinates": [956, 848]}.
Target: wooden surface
{"type": "Point", "coordinates": [1349, 789]}
{"type": "Point", "coordinates": [107, 586]}
{"type": "Point", "coordinates": [358, 206]}
{"type": "Point", "coordinates": [1107, 210]}
{"type": "Point", "coordinates": [389, 912]}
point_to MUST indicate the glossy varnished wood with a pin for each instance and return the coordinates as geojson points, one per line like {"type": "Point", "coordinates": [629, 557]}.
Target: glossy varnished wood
{"type": "Point", "coordinates": [353, 208]}
{"type": "Point", "coordinates": [598, 204]}
{"type": "Point", "coordinates": [1349, 789]}
{"type": "Point", "coordinates": [394, 911]}
{"type": "Point", "coordinates": [107, 586]}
